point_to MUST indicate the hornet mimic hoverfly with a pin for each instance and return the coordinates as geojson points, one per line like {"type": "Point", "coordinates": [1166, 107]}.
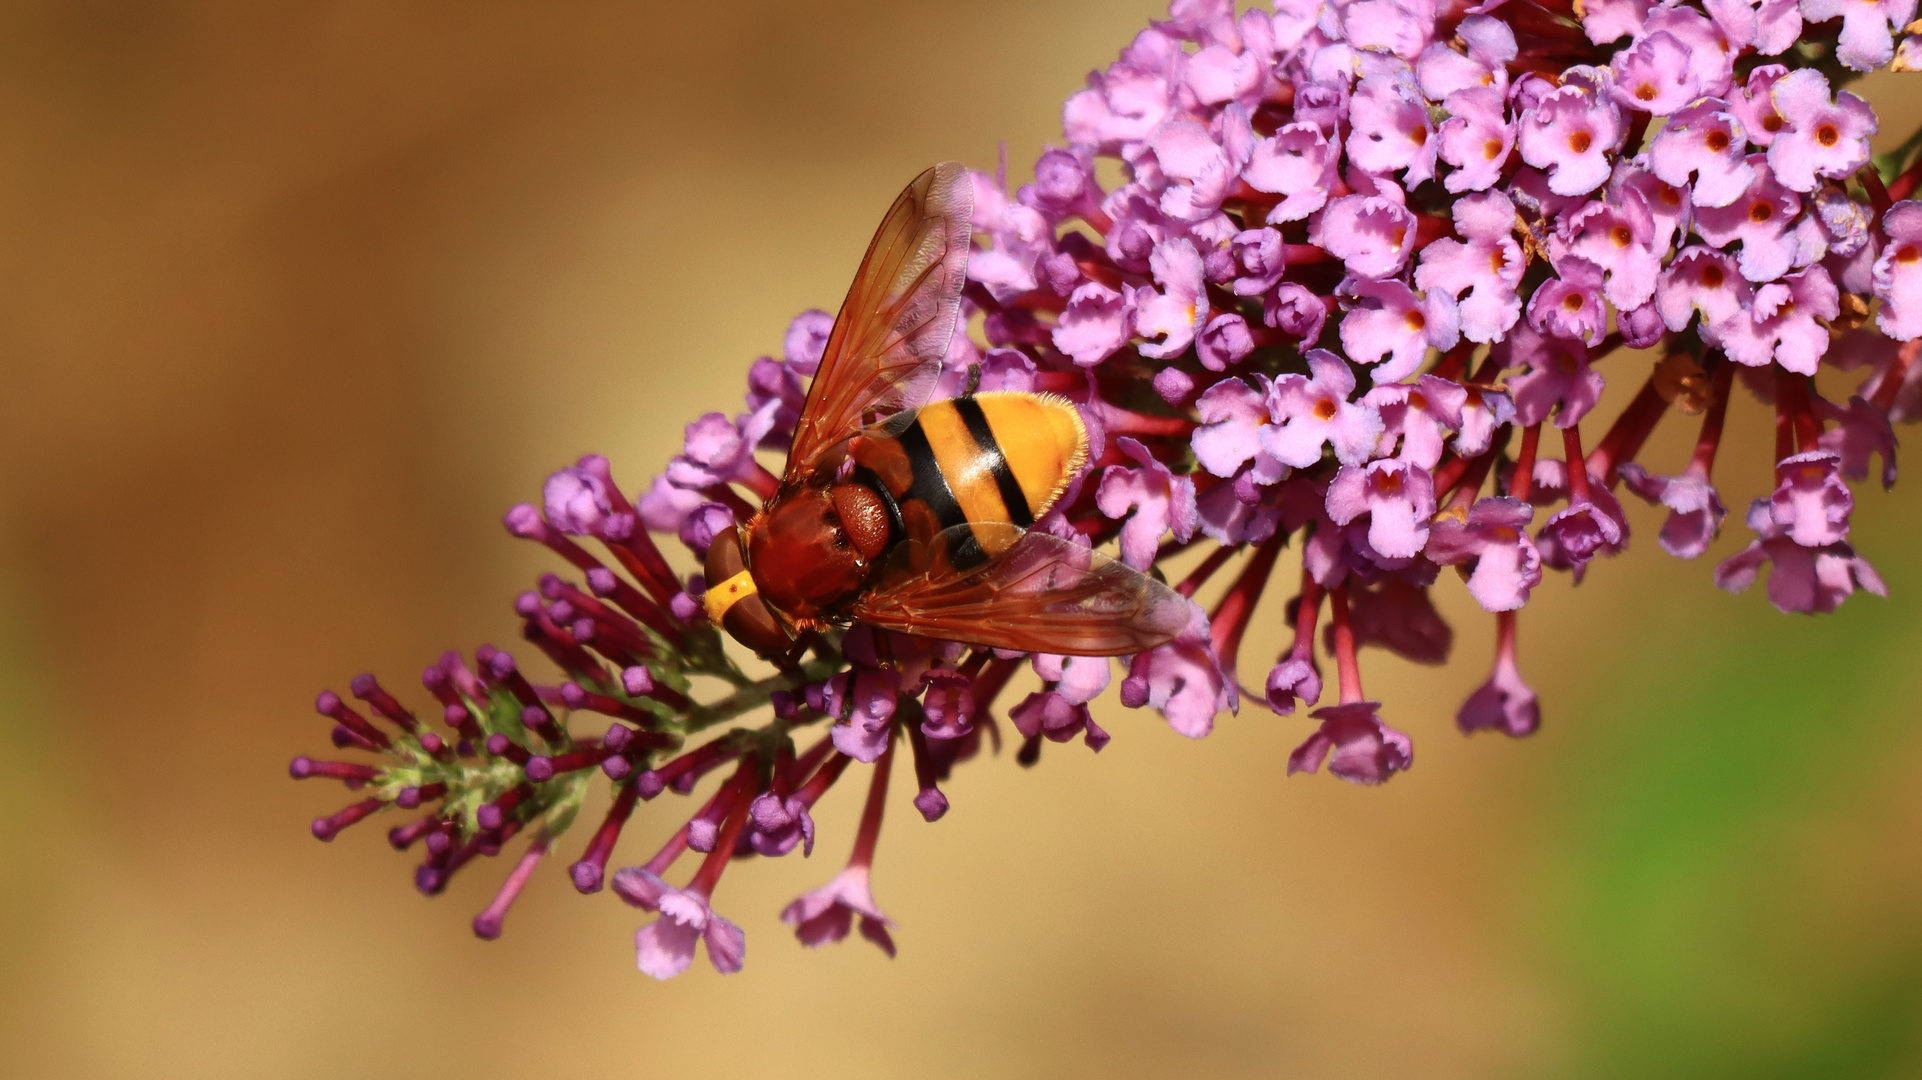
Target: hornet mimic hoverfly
{"type": "Point", "coordinates": [915, 517]}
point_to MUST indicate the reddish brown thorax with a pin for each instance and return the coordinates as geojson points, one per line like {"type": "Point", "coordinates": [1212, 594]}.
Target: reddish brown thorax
{"type": "Point", "coordinates": [799, 563]}
{"type": "Point", "coordinates": [803, 559]}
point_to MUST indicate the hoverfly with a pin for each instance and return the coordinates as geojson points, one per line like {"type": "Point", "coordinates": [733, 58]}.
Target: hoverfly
{"type": "Point", "coordinates": [915, 517]}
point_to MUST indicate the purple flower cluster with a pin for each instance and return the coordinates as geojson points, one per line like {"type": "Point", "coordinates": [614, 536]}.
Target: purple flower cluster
{"type": "Point", "coordinates": [1360, 258]}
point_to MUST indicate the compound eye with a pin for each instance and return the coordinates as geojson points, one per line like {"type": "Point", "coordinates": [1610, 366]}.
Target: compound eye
{"type": "Point", "coordinates": [724, 558]}
{"type": "Point", "coordinates": [751, 623]}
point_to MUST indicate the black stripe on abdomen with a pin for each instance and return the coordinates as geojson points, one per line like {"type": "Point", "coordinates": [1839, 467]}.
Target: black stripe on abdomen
{"type": "Point", "coordinates": [983, 434]}
{"type": "Point", "coordinates": [931, 487]}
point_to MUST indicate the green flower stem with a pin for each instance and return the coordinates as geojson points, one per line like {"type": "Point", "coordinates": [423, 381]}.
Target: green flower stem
{"type": "Point", "coordinates": [756, 694]}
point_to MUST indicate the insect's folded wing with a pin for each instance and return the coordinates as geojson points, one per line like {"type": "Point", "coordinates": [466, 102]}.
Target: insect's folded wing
{"type": "Point", "coordinates": [1040, 594]}
{"type": "Point", "coordinates": [884, 353]}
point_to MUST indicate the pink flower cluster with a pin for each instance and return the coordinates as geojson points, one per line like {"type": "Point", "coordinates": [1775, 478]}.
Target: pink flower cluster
{"type": "Point", "coordinates": [1368, 245]}
{"type": "Point", "coordinates": [1351, 263]}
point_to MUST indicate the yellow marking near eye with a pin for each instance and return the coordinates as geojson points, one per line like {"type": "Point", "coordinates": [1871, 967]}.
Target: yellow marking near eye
{"type": "Point", "coordinates": [728, 593]}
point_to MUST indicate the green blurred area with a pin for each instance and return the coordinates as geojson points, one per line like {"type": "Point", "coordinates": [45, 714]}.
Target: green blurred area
{"type": "Point", "coordinates": [296, 299]}
{"type": "Point", "coordinates": [1732, 889]}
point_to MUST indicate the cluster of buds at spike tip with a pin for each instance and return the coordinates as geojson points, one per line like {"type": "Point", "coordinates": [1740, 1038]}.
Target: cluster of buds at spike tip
{"type": "Point", "coordinates": [1351, 297]}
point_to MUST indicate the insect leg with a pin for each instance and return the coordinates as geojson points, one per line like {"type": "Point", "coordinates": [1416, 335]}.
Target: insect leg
{"type": "Point", "coordinates": [790, 662]}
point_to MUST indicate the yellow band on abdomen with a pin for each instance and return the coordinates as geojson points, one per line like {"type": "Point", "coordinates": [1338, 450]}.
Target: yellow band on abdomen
{"type": "Point", "coordinates": [967, 470]}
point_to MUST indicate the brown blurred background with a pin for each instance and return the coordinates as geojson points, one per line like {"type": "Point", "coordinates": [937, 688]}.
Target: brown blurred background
{"type": "Point", "coordinates": [295, 299]}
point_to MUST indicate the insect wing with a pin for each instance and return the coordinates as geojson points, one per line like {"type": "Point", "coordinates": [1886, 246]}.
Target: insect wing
{"type": "Point", "coordinates": [885, 350]}
{"type": "Point", "coordinates": [1039, 594]}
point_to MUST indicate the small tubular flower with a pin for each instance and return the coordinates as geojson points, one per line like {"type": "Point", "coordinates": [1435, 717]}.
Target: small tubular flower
{"type": "Point", "coordinates": [1618, 242]}
{"type": "Point", "coordinates": [1312, 413]}
{"type": "Point", "coordinates": [1173, 312]}
{"type": "Point", "coordinates": [1480, 272]}
{"type": "Point", "coordinates": [1787, 322]}
{"type": "Point", "coordinates": [1570, 133]}
{"type": "Point", "coordinates": [1476, 139]}
{"type": "Point", "coordinates": [1150, 501]}
{"type": "Point", "coordinates": [1695, 511]}
{"type": "Point", "coordinates": [1703, 142]}
{"type": "Point", "coordinates": [1898, 272]}
{"type": "Point", "coordinates": [1355, 744]}
{"type": "Point", "coordinates": [1761, 219]}
{"type": "Point", "coordinates": [1372, 234]}
{"type": "Point", "coordinates": [1492, 539]}
{"type": "Point", "coordinates": [1389, 130]}
{"type": "Point", "coordinates": [1297, 162]}
{"type": "Point", "coordinates": [1823, 135]}
{"type": "Point", "coordinates": [1866, 42]}
{"type": "Point", "coordinates": [1504, 703]}
{"type": "Point", "coordinates": [1391, 327]}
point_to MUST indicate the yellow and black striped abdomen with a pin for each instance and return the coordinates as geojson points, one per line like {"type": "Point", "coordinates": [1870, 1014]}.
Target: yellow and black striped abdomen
{"type": "Point", "coordinates": [1000, 457]}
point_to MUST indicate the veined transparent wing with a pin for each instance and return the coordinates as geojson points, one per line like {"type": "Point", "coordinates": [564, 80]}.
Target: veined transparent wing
{"type": "Point", "coordinates": [885, 350]}
{"type": "Point", "coordinates": [1040, 593]}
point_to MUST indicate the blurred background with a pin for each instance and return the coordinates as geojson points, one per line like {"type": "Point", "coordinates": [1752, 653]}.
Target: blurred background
{"type": "Point", "coordinates": [296, 298]}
